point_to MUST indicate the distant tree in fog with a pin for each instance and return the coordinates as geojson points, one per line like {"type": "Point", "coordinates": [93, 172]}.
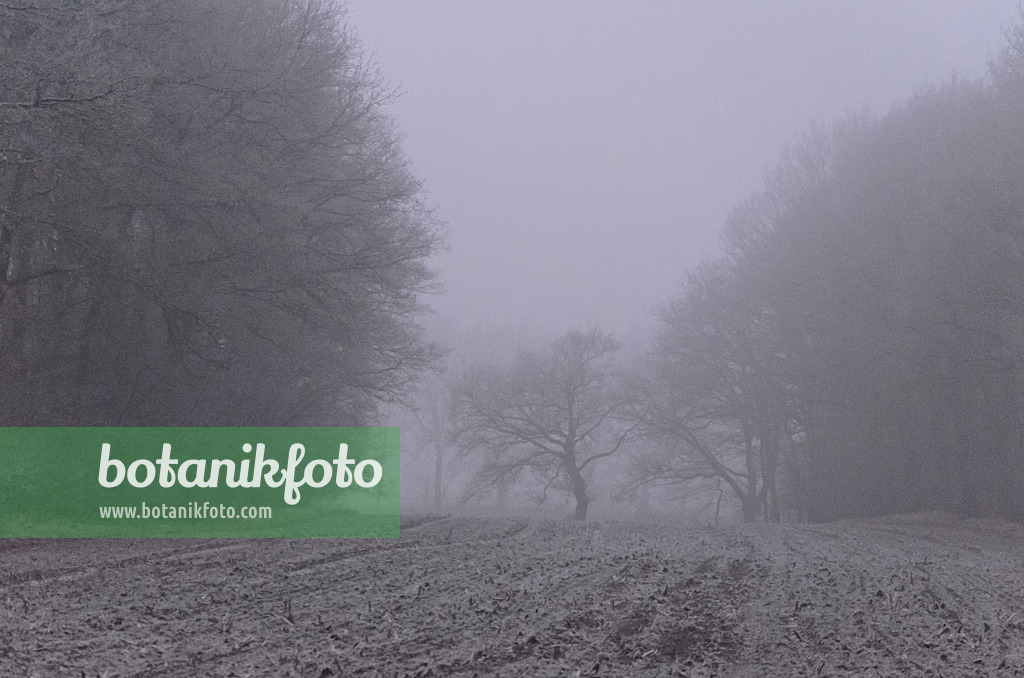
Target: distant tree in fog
{"type": "Point", "coordinates": [712, 392]}
{"type": "Point", "coordinates": [548, 415]}
{"type": "Point", "coordinates": [431, 413]}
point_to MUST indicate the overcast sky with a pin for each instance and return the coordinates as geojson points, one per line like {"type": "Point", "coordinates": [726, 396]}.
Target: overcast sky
{"type": "Point", "coordinates": [585, 154]}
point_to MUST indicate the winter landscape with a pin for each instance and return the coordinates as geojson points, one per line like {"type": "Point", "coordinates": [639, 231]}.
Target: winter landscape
{"type": "Point", "coordinates": [919, 595]}
{"type": "Point", "coordinates": [702, 324]}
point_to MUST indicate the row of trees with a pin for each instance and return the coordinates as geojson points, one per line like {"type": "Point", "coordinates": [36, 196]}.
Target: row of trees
{"type": "Point", "coordinates": [205, 218]}
{"type": "Point", "coordinates": [881, 274]}
{"type": "Point", "coordinates": [545, 420]}
{"type": "Point", "coordinates": [858, 349]}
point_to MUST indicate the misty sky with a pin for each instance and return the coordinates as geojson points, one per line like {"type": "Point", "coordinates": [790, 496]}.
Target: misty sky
{"type": "Point", "coordinates": [584, 154]}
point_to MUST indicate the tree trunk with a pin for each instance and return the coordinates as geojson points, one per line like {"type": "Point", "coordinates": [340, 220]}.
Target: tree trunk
{"type": "Point", "coordinates": [770, 461]}
{"type": "Point", "coordinates": [749, 498]}
{"type": "Point", "coordinates": [582, 503]}
{"type": "Point", "coordinates": [579, 488]}
{"type": "Point", "coordinates": [749, 502]}
{"type": "Point", "coordinates": [438, 474]}
{"type": "Point", "coordinates": [718, 502]}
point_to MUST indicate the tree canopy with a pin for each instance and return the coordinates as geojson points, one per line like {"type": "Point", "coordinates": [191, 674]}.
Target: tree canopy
{"type": "Point", "coordinates": [864, 333]}
{"type": "Point", "coordinates": [205, 218]}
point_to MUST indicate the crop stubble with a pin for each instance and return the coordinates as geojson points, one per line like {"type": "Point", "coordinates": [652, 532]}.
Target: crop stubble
{"type": "Point", "coordinates": [920, 595]}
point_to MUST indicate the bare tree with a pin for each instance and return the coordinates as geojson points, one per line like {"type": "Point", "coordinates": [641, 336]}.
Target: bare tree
{"type": "Point", "coordinates": [432, 413]}
{"type": "Point", "coordinates": [713, 392]}
{"type": "Point", "coordinates": [554, 414]}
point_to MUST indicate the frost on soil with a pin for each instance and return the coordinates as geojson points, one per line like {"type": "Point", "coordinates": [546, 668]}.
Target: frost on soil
{"type": "Point", "coordinates": [925, 595]}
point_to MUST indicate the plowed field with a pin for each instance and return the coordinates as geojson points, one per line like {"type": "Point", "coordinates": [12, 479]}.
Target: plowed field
{"type": "Point", "coordinates": [924, 595]}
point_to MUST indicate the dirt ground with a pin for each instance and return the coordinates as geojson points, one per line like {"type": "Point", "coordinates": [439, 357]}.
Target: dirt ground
{"type": "Point", "coordinates": [924, 595]}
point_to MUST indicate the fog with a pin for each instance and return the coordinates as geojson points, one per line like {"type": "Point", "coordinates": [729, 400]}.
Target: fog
{"type": "Point", "coordinates": [584, 155]}
{"type": "Point", "coordinates": [216, 220]}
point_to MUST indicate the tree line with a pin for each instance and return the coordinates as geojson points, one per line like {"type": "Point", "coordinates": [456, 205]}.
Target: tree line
{"type": "Point", "coordinates": [205, 218]}
{"type": "Point", "coordinates": [858, 348]}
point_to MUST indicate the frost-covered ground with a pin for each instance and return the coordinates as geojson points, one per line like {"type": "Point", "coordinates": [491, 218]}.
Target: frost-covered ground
{"type": "Point", "coordinates": [911, 596]}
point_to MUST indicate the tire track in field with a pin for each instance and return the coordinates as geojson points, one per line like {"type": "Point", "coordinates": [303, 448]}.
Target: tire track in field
{"type": "Point", "coordinates": [41, 575]}
{"type": "Point", "coordinates": [408, 542]}
{"type": "Point", "coordinates": [98, 559]}
{"type": "Point", "coordinates": [418, 521]}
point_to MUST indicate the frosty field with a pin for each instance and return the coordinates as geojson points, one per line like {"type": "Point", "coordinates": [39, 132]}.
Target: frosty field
{"type": "Point", "coordinates": [910, 596]}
